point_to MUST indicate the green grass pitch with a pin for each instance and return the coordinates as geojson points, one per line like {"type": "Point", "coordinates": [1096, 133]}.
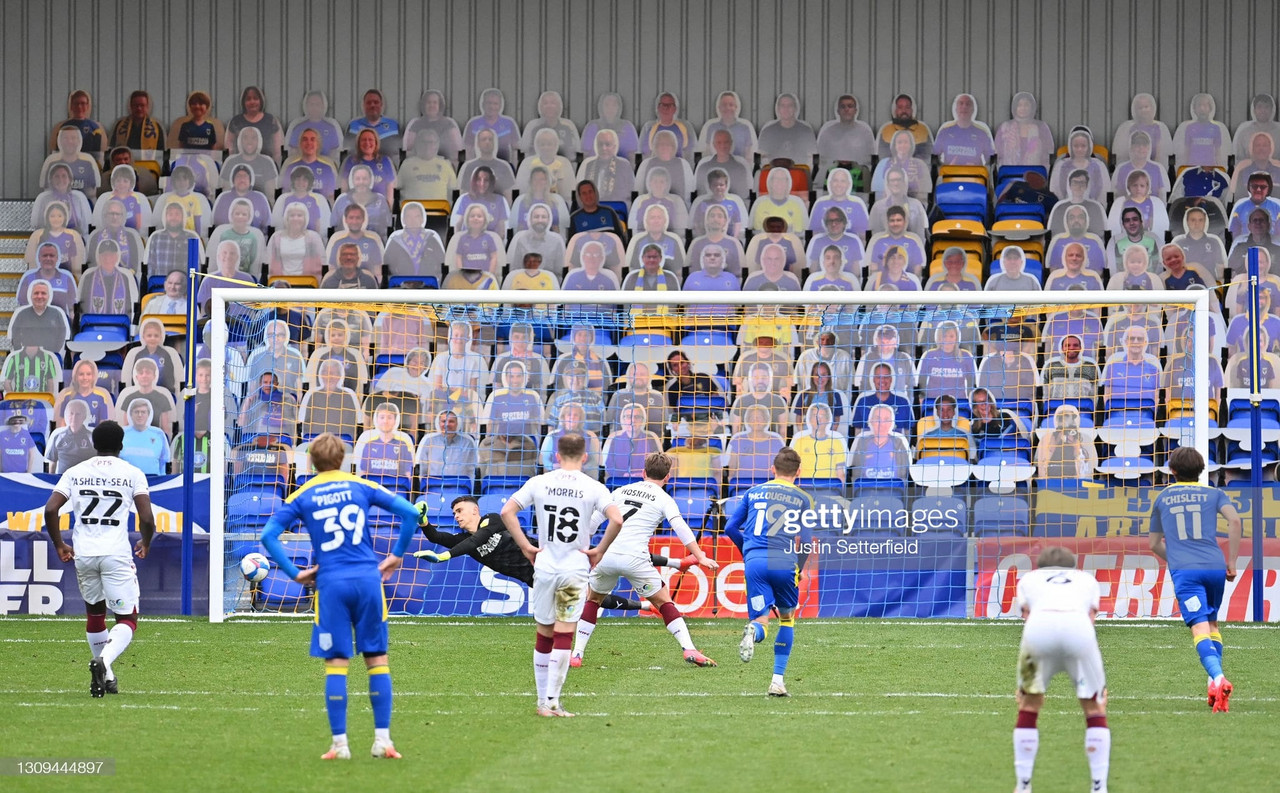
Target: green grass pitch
{"type": "Point", "coordinates": [876, 706]}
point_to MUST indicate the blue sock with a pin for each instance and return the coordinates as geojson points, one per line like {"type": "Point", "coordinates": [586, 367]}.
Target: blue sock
{"type": "Point", "coordinates": [380, 696]}
{"type": "Point", "coordinates": [782, 649]}
{"type": "Point", "coordinates": [335, 698]}
{"type": "Point", "coordinates": [1209, 657]}
{"type": "Point", "coordinates": [759, 631]}
{"type": "Point", "coordinates": [1216, 638]}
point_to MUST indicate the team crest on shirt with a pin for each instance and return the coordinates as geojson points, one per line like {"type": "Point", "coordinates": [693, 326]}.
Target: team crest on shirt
{"type": "Point", "coordinates": [326, 641]}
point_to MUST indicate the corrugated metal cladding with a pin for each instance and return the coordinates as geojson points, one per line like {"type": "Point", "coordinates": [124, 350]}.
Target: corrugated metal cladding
{"type": "Point", "coordinates": [1084, 59]}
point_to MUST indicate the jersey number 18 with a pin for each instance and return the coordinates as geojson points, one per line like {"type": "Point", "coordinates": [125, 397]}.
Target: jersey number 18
{"type": "Point", "coordinates": [562, 523]}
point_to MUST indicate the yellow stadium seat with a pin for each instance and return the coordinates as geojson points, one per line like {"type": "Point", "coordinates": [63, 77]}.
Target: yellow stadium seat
{"type": "Point", "coordinates": [298, 281]}
{"type": "Point", "coordinates": [959, 227]}
{"type": "Point", "coordinates": [964, 173]}
{"type": "Point", "coordinates": [1099, 151]}
{"type": "Point", "coordinates": [943, 447]}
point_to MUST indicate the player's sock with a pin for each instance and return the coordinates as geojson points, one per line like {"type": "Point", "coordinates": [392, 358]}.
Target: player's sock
{"type": "Point", "coordinates": [1026, 742]}
{"type": "Point", "coordinates": [541, 664]}
{"type": "Point", "coordinates": [335, 701]}
{"type": "Point", "coordinates": [95, 631]}
{"type": "Point", "coordinates": [1209, 658]}
{"type": "Point", "coordinates": [120, 636]}
{"type": "Point", "coordinates": [380, 697]}
{"type": "Point", "coordinates": [760, 631]}
{"type": "Point", "coordinates": [664, 561]}
{"type": "Point", "coordinates": [1216, 638]}
{"type": "Point", "coordinates": [586, 624]}
{"type": "Point", "coordinates": [559, 666]}
{"type": "Point", "coordinates": [782, 647]}
{"type": "Point", "coordinates": [675, 624]}
{"type": "Point", "coordinates": [620, 603]}
{"type": "Point", "coordinates": [1097, 748]}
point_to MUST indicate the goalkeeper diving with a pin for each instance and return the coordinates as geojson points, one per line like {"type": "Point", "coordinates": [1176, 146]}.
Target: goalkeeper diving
{"type": "Point", "coordinates": [484, 538]}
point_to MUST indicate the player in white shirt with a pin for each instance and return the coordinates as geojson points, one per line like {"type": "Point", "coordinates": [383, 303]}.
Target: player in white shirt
{"type": "Point", "coordinates": [1060, 604]}
{"type": "Point", "coordinates": [563, 502]}
{"type": "Point", "coordinates": [101, 490]}
{"type": "Point", "coordinates": [644, 506]}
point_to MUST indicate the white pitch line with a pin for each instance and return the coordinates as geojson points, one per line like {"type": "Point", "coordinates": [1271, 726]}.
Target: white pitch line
{"type": "Point", "coordinates": [632, 694]}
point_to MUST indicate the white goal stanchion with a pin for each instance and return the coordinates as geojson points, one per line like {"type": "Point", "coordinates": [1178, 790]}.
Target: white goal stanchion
{"type": "Point", "coordinates": [930, 504]}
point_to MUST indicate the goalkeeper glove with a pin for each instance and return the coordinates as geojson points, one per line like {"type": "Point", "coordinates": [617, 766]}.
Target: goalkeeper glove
{"type": "Point", "coordinates": [422, 513]}
{"type": "Point", "coordinates": [432, 556]}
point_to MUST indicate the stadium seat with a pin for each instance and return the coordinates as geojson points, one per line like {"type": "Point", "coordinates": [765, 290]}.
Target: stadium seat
{"type": "Point", "coordinates": [495, 503]}
{"type": "Point", "coordinates": [1001, 516]}
{"type": "Point", "coordinates": [937, 446]}
{"type": "Point", "coordinates": [940, 472]}
{"type": "Point", "coordinates": [709, 347]}
{"type": "Point", "coordinates": [298, 281]}
{"type": "Point", "coordinates": [427, 281]}
{"type": "Point", "coordinates": [962, 200]}
{"type": "Point", "coordinates": [876, 516]}
{"type": "Point", "coordinates": [1127, 468]}
{"type": "Point", "coordinates": [944, 508]}
{"type": "Point", "coordinates": [695, 497]}
{"type": "Point", "coordinates": [249, 509]}
{"type": "Point", "coordinates": [979, 174]}
{"type": "Point", "coordinates": [438, 510]}
{"type": "Point", "coordinates": [500, 485]}
{"type": "Point", "coordinates": [740, 485]}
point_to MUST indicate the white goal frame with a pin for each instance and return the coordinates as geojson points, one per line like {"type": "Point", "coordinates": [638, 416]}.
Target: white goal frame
{"type": "Point", "coordinates": [216, 339]}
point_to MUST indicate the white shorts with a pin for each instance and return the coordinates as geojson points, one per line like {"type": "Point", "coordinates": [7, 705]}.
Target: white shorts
{"type": "Point", "coordinates": [638, 570]}
{"type": "Point", "coordinates": [1054, 643]}
{"type": "Point", "coordinates": [558, 597]}
{"type": "Point", "coordinates": [110, 578]}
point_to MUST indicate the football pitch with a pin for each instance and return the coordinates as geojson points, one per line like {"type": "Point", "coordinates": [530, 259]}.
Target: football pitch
{"type": "Point", "coordinates": [876, 706]}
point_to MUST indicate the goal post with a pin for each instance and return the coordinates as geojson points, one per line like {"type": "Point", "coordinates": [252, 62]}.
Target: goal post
{"type": "Point", "coordinates": [1014, 489]}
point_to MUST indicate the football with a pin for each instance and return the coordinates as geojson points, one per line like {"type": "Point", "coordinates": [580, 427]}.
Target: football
{"type": "Point", "coordinates": [254, 567]}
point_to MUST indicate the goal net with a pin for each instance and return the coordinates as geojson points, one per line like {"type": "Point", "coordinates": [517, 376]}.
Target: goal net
{"type": "Point", "coordinates": [945, 439]}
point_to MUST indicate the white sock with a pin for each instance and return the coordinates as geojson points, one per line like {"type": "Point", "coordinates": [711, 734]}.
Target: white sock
{"type": "Point", "coordinates": [681, 632]}
{"type": "Point", "coordinates": [1097, 748]}
{"type": "Point", "coordinates": [557, 671]}
{"type": "Point", "coordinates": [340, 739]}
{"type": "Point", "coordinates": [674, 564]}
{"type": "Point", "coordinates": [1026, 741]}
{"type": "Point", "coordinates": [98, 640]}
{"type": "Point", "coordinates": [540, 664]}
{"type": "Point", "coordinates": [382, 734]}
{"type": "Point", "coordinates": [583, 636]}
{"type": "Point", "coordinates": [120, 636]}
{"type": "Point", "coordinates": [778, 679]}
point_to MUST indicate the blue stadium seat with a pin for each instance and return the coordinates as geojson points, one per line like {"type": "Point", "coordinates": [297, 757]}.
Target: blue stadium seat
{"type": "Point", "coordinates": [495, 503]}
{"type": "Point", "coordinates": [829, 486]}
{"type": "Point", "coordinates": [945, 509]}
{"type": "Point", "coordinates": [740, 485]}
{"type": "Point", "coordinates": [695, 497]}
{"type": "Point", "coordinates": [384, 362]}
{"type": "Point", "coordinates": [438, 510]}
{"type": "Point", "coordinates": [428, 281]}
{"type": "Point", "coordinates": [962, 200]}
{"type": "Point", "coordinates": [248, 509]}
{"type": "Point", "coordinates": [500, 485]}
{"type": "Point", "coordinates": [1001, 516]}
{"type": "Point", "coordinates": [876, 516]}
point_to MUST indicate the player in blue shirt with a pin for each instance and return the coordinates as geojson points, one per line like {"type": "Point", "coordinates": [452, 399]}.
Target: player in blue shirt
{"type": "Point", "coordinates": [334, 507]}
{"type": "Point", "coordinates": [766, 526]}
{"type": "Point", "coordinates": [1184, 529]}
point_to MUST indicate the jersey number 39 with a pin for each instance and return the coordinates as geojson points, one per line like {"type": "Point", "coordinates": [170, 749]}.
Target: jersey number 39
{"type": "Point", "coordinates": [350, 518]}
